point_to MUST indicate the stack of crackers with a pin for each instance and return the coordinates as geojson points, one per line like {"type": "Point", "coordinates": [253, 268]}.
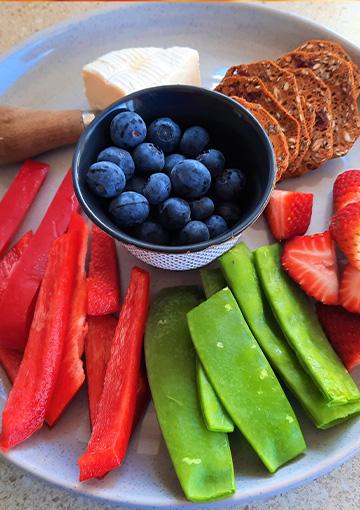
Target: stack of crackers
{"type": "Point", "coordinates": [306, 101]}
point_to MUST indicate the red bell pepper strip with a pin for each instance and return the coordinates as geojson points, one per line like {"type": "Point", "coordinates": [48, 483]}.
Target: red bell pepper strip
{"type": "Point", "coordinates": [142, 395]}
{"type": "Point", "coordinates": [25, 409]}
{"type": "Point", "coordinates": [115, 413]}
{"type": "Point", "coordinates": [18, 199]}
{"type": "Point", "coordinates": [18, 301]}
{"type": "Point", "coordinates": [8, 262]}
{"type": "Point", "coordinates": [72, 376]}
{"type": "Point", "coordinates": [101, 331]}
{"type": "Point", "coordinates": [10, 361]}
{"type": "Point", "coordinates": [103, 280]}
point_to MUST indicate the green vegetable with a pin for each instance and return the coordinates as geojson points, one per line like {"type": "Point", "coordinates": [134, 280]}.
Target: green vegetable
{"type": "Point", "coordinates": [215, 416]}
{"type": "Point", "coordinates": [244, 380]}
{"type": "Point", "coordinates": [202, 459]}
{"type": "Point", "coordinates": [240, 273]}
{"type": "Point", "coordinates": [299, 323]}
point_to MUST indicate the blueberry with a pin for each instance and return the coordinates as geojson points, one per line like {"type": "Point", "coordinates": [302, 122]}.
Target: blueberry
{"type": "Point", "coordinates": [127, 130]}
{"type": "Point", "coordinates": [174, 213]}
{"type": "Point", "coordinates": [164, 133]}
{"type": "Point", "coordinates": [152, 232]}
{"type": "Point", "coordinates": [171, 160]}
{"type": "Point", "coordinates": [201, 208]}
{"type": "Point", "coordinates": [105, 179]}
{"type": "Point", "coordinates": [193, 141]}
{"type": "Point", "coordinates": [120, 157]}
{"type": "Point", "coordinates": [157, 189]}
{"type": "Point", "coordinates": [129, 209]}
{"type": "Point", "coordinates": [230, 183]}
{"type": "Point", "coordinates": [137, 184]}
{"type": "Point", "coordinates": [216, 225]}
{"type": "Point", "coordinates": [148, 158]}
{"type": "Point", "coordinates": [193, 232]}
{"type": "Point", "coordinates": [190, 179]}
{"type": "Point", "coordinates": [230, 212]}
{"type": "Point", "coordinates": [214, 161]}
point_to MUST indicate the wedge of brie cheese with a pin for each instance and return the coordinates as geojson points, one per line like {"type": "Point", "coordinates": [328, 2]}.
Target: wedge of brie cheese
{"type": "Point", "coordinates": [119, 73]}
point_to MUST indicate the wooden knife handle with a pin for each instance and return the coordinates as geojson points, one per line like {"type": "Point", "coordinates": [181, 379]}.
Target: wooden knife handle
{"type": "Point", "coordinates": [25, 133]}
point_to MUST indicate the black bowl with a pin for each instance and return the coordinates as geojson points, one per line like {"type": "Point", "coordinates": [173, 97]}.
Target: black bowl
{"type": "Point", "coordinates": [232, 129]}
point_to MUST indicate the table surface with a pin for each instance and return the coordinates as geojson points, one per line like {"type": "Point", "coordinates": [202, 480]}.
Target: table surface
{"type": "Point", "coordinates": [339, 490]}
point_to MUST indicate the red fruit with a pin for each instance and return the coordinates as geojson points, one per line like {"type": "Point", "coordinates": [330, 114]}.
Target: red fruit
{"type": "Point", "coordinates": [311, 262]}
{"type": "Point", "coordinates": [346, 189]}
{"type": "Point", "coordinates": [343, 330]}
{"type": "Point", "coordinates": [288, 213]}
{"type": "Point", "coordinates": [349, 293]}
{"type": "Point", "coordinates": [345, 229]}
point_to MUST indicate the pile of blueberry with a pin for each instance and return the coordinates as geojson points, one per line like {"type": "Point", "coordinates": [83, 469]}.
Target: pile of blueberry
{"type": "Point", "coordinates": [167, 186]}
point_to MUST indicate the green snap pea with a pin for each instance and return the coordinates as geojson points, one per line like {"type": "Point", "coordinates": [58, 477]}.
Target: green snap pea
{"type": "Point", "coordinates": [303, 332]}
{"type": "Point", "coordinates": [244, 380]}
{"type": "Point", "coordinates": [202, 459]}
{"type": "Point", "coordinates": [215, 416]}
{"type": "Point", "coordinates": [239, 269]}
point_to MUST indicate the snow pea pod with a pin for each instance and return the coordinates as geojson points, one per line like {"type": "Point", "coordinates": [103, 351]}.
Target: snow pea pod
{"type": "Point", "coordinates": [299, 324]}
{"type": "Point", "coordinates": [202, 459]}
{"type": "Point", "coordinates": [215, 416]}
{"type": "Point", "coordinates": [244, 380]}
{"type": "Point", "coordinates": [239, 269]}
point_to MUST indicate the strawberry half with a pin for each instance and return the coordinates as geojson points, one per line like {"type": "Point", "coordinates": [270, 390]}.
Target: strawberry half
{"type": "Point", "coordinates": [311, 262]}
{"type": "Point", "coordinates": [345, 229]}
{"type": "Point", "coordinates": [349, 293]}
{"type": "Point", "coordinates": [346, 189]}
{"type": "Point", "coordinates": [288, 213]}
{"type": "Point", "coordinates": [343, 330]}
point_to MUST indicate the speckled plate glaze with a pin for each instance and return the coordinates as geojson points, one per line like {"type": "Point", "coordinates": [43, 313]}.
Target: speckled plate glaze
{"type": "Point", "coordinates": [45, 72]}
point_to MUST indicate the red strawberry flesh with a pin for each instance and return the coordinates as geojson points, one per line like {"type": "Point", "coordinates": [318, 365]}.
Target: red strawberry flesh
{"type": "Point", "coordinates": [349, 293]}
{"type": "Point", "coordinates": [345, 229]}
{"type": "Point", "coordinates": [346, 189]}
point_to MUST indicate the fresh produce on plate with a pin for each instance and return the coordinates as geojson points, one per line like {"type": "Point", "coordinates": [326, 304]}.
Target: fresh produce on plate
{"type": "Point", "coordinates": [288, 213]}
{"type": "Point", "coordinates": [343, 331]}
{"type": "Point", "coordinates": [115, 413]}
{"type": "Point", "coordinates": [10, 360]}
{"type": "Point", "coordinates": [302, 330]}
{"type": "Point", "coordinates": [311, 262]}
{"type": "Point", "coordinates": [18, 300]}
{"type": "Point", "coordinates": [345, 230]}
{"type": "Point", "coordinates": [103, 281]}
{"type": "Point", "coordinates": [118, 73]}
{"type": "Point", "coordinates": [201, 458]}
{"type": "Point", "coordinates": [349, 291]}
{"type": "Point", "coordinates": [346, 189]}
{"type": "Point", "coordinates": [12, 257]}
{"type": "Point", "coordinates": [17, 200]}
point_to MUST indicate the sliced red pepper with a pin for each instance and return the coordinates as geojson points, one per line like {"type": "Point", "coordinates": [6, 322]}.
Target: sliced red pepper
{"type": "Point", "coordinates": [115, 413]}
{"type": "Point", "coordinates": [18, 300]}
{"type": "Point", "coordinates": [72, 376]}
{"type": "Point", "coordinates": [101, 331]}
{"type": "Point", "coordinates": [103, 280]}
{"type": "Point", "coordinates": [25, 409]}
{"type": "Point", "coordinates": [18, 199]}
{"type": "Point", "coordinates": [8, 262]}
{"type": "Point", "coordinates": [10, 361]}
{"type": "Point", "coordinates": [142, 396]}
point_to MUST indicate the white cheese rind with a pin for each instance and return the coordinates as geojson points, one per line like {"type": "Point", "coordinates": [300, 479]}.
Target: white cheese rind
{"type": "Point", "coordinates": [122, 72]}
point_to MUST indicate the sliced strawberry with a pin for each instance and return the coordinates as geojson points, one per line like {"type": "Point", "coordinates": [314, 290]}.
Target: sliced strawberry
{"type": "Point", "coordinates": [343, 330]}
{"type": "Point", "coordinates": [349, 292]}
{"type": "Point", "coordinates": [346, 189]}
{"type": "Point", "coordinates": [345, 229]}
{"type": "Point", "coordinates": [311, 262]}
{"type": "Point", "coordinates": [288, 213]}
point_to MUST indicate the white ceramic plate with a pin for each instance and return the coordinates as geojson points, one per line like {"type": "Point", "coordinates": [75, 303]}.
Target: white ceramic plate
{"type": "Point", "coordinates": [45, 72]}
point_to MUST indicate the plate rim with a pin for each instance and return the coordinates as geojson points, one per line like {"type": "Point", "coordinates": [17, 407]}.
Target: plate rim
{"type": "Point", "coordinates": [297, 479]}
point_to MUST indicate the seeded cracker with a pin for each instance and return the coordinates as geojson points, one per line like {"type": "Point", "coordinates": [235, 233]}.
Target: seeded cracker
{"type": "Point", "coordinates": [336, 49]}
{"type": "Point", "coordinates": [310, 117]}
{"type": "Point", "coordinates": [282, 85]}
{"type": "Point", "coordinates": [272, 128]}
{"type": "Point", "coordinates": [254, 91]}
{"type": "Point", "coordinates": [338, 76]}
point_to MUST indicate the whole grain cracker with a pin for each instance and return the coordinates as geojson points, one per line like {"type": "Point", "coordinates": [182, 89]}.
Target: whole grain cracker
{"type": "Point", "coordinates": [336, 48]}
{"type": "Point", "coordinates": [274, 132]}
{"type": "Point", "coordinates": [282, 85]}
{"type": "Point", "coordinates": [253, 90]}
{"type": "Point", "coordinates": [337, 74]}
